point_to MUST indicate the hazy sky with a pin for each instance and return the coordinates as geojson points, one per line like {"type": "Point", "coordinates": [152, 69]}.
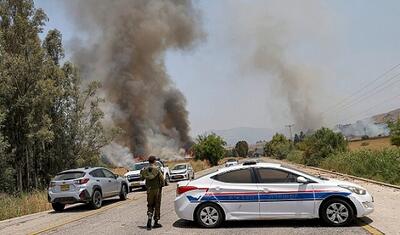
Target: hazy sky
{"type": "Point", "coordinates": [341, 44]}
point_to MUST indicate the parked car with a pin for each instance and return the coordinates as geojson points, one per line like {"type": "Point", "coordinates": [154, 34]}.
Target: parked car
{"type": "Point", "coordinates": [87, 185]}
{"type": "Point", "coordinates": [231, 162]}
{"type": "Point", "coordinates": [254, 191]}
{"type": "Point", "coordinates": [133, 176]}
{"type": "Point", "coordinates": [182, 171]}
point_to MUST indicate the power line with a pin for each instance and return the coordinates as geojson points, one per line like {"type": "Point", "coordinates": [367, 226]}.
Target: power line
{"type": "Point", "coordinates": [370, 93]}
{"type": "Point", "coordinates": [346, 99]}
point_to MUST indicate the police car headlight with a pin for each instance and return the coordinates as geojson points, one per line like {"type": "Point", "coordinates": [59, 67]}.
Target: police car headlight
{"type": "Point", "coordinates": [354, 189]}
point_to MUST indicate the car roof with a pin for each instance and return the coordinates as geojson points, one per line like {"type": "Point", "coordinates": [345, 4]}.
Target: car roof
{"type": "Point", "coordinates": [82, 169]}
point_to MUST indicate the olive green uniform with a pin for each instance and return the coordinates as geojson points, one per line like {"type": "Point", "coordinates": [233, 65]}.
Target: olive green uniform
{"type": "Point", "coordinates": [154, 183]}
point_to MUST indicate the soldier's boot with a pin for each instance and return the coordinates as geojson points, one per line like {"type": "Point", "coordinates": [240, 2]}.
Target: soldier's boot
{"type": "Point", "coordinates": [149, 219]}
{"type": "Point", "coordinates": [156, 224]}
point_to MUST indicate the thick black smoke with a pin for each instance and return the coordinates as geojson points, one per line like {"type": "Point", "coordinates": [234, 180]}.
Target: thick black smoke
{"type": "Point", "coordinates": [125, 46]}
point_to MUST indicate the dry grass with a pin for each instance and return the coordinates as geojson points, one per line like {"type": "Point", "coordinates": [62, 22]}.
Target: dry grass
{"type": "Point", "coordinates": [372, 144]}
{"type": "Point", "coordinates": [27, 203]}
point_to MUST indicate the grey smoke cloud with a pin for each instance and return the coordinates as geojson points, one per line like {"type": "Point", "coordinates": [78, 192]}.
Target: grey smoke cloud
{"type": "Point", "coordinates": [124, 47]}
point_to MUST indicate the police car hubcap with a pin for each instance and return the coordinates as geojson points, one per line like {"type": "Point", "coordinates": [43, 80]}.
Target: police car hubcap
{"type": "Point", "coordinates": [337, 213]}
{"type": "Point", "coordinates": [209, 215]}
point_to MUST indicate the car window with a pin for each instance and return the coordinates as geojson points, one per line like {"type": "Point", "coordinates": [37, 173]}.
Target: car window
{"type": "Point", "coordinates": [179, 167]}
{"type": "Point", "coordinates": [269, 175]}
{"type": "Point", "coordinates": [139, 166]}
{"type": "Point", "coordinates": [108, 173]}
{"type": "Point", "coordinates": [159, 164]}
{"type": "Point", "coordinates": [236, 176]}
{"type": "Point", "coordinates": [97, 173]}
{"type": "Point", "coordinates": [69, 175]}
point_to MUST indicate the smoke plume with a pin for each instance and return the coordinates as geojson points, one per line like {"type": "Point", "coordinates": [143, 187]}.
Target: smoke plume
{"type": "Point", "coordinates": [124, 46]}
{"type": "Point", "coordinates": [268, 31]}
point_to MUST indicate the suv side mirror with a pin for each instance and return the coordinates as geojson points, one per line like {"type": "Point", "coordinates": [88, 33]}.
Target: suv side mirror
{"type": "Point", "coordinates": [116, 176]}
{"type": "Point", "coordinates": [301, 180]}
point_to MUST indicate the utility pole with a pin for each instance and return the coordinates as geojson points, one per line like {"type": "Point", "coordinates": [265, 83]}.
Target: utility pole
{"type": "Point", "coordinates": [290, 130]}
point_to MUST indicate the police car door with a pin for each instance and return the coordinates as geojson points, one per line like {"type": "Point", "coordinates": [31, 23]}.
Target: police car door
{"type": "Point", "coordinates": [281, 196]}
{"type": "Point", "coordinates": [236, 192]}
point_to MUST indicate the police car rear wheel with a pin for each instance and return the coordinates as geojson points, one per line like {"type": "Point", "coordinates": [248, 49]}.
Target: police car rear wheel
{"type": "Point", "coordinates": [209, 216]}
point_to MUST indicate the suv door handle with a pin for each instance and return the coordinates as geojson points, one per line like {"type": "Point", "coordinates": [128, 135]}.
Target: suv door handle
{"type": "Point", "coordinates": [109, 180]}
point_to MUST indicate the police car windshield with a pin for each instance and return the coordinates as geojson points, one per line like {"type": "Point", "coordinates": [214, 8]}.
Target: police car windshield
{"type": "Point", "coordinates": [139, 166]}
{"type": "Point", "coordinates": [179, 167]}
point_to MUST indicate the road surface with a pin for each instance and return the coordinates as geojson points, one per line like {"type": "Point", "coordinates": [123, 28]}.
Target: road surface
{"type": "Point", "coordinates": [129, 217]}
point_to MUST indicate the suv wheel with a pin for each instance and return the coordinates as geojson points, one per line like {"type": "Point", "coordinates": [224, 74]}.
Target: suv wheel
{"type": "Point", "coordinates": [166, 180]}
{"type": "Point", "coordinates": [124, 192]}
{"type": "Point", "coordinates": [58, 207]}
{"type": "Point", "coordinates": [209, 215]}
{"type": "Point", "coordinates": [97, 199]}
{"type": "Point", "coordinates": [337, 212]}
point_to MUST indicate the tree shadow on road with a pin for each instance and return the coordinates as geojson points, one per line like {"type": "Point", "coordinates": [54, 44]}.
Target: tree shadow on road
{"type": "Point", "coordinates": [268, 223]}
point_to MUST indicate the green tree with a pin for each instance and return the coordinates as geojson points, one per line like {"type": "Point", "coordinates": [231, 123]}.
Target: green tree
{"type": "Point", "coordinates": [279, 147]}
{"type": "Point", "coordinates": [321, 145]}
{"type": "Point", "coordinates": [394, 128]}
{"type": "Point", "coordinates": [53, 123]}
{"type": "Point", "coordinates": [209, 147]}
{"type": "Point", "coordinates": [242, 148]}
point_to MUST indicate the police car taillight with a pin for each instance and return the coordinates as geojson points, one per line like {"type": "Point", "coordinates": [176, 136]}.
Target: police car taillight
{"type": "Point", "coordinates": [184, 189]}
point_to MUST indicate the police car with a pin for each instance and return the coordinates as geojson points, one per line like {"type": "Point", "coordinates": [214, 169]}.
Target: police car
{"type": "Point", "coordinates": [254, 191]}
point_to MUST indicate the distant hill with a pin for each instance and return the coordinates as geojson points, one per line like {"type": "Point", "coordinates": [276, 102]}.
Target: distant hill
{"type": "Point", "coordinates": [384, 117]}
{"type": "Point", "coordinates": [249, 134]}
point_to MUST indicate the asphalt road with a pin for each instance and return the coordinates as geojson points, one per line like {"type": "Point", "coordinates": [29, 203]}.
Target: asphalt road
{"type": "Point", "coordinates": [129, 217]}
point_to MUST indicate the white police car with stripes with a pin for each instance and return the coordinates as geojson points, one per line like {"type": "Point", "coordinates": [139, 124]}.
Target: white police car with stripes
{"type": "Point", "coordinates": [256, 191]}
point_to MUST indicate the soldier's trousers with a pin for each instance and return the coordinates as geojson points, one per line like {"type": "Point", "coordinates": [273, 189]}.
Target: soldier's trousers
{"type": "Point", "coordinates": [154, 202]}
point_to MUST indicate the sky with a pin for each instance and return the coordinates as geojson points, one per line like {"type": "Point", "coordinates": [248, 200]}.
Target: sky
{"type": "Point", "coordinates": [343, 45]}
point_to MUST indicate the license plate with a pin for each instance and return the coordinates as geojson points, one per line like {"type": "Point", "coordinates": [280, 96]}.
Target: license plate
{"type": "Point", "coordinates": [135, 184]}
{"type": "Point", "coordinates": [64, 187]}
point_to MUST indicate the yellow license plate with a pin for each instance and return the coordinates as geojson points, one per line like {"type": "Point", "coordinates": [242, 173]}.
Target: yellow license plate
{"type": "Point", "coordinates": [135, 184]}
{"type": "Point", "coordinates": [64, 187]}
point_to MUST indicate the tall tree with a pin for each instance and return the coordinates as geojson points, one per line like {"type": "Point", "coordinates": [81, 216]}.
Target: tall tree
{"type": "Point", "coordinates": [242, 148]}
{"type": "Point", "coordinates": [52, 122]}
{"type": "Point", "coordinates": [209, 147]}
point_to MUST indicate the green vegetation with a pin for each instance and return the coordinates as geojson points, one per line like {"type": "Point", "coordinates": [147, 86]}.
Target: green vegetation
{"type": "Point", "coordinates": [209, 147]}
{"type": "Point", "coordinates": [279, 147]}
{"type": "Point", "coordinates": [327, 149]}
{"type": "Point", "coordinates": [395, 132]}
{"type": "Point", "coordinates": [382, 165]}
{"type": "Point", "coordinates": [49, 121]}
{"type": "Point", "coordinates": [242, 148]}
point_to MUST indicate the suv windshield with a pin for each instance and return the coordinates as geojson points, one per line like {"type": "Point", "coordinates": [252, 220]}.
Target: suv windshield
{"type": "Point", "coordinates": [179, 167]}
{"type": "Point", "coordinates": [139, 166]}
{"type": "Point", "coordinates": [69, 175]}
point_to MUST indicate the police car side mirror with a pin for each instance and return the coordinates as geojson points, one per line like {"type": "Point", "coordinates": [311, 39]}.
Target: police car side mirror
{"type": "Point", "coordinates": [301, 180]}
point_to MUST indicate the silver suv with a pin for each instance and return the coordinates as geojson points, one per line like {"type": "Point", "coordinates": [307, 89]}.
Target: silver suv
{"type": "Point", "coordinates": [85, 185]}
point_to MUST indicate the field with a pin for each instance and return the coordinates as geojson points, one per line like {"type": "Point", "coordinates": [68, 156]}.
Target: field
{"type": "Point", "coordinates": [373, 144]}
{"type": "Point", "coordinates": [27, 203]}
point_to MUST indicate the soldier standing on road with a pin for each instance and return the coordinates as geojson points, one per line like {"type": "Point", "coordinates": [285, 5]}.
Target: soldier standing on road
{"type": "Point", "coordinates": [154, 183]}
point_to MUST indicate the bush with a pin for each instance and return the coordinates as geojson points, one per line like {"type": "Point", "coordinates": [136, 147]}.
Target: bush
{"type": "Point", "coordinates": [381, 165]}
{"type": "Point", "coordinates": [320, 145]}
{"type": "Point", "coordinates": [279, 147]}
{"type": "Point", "coordinates": [296, 156]}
